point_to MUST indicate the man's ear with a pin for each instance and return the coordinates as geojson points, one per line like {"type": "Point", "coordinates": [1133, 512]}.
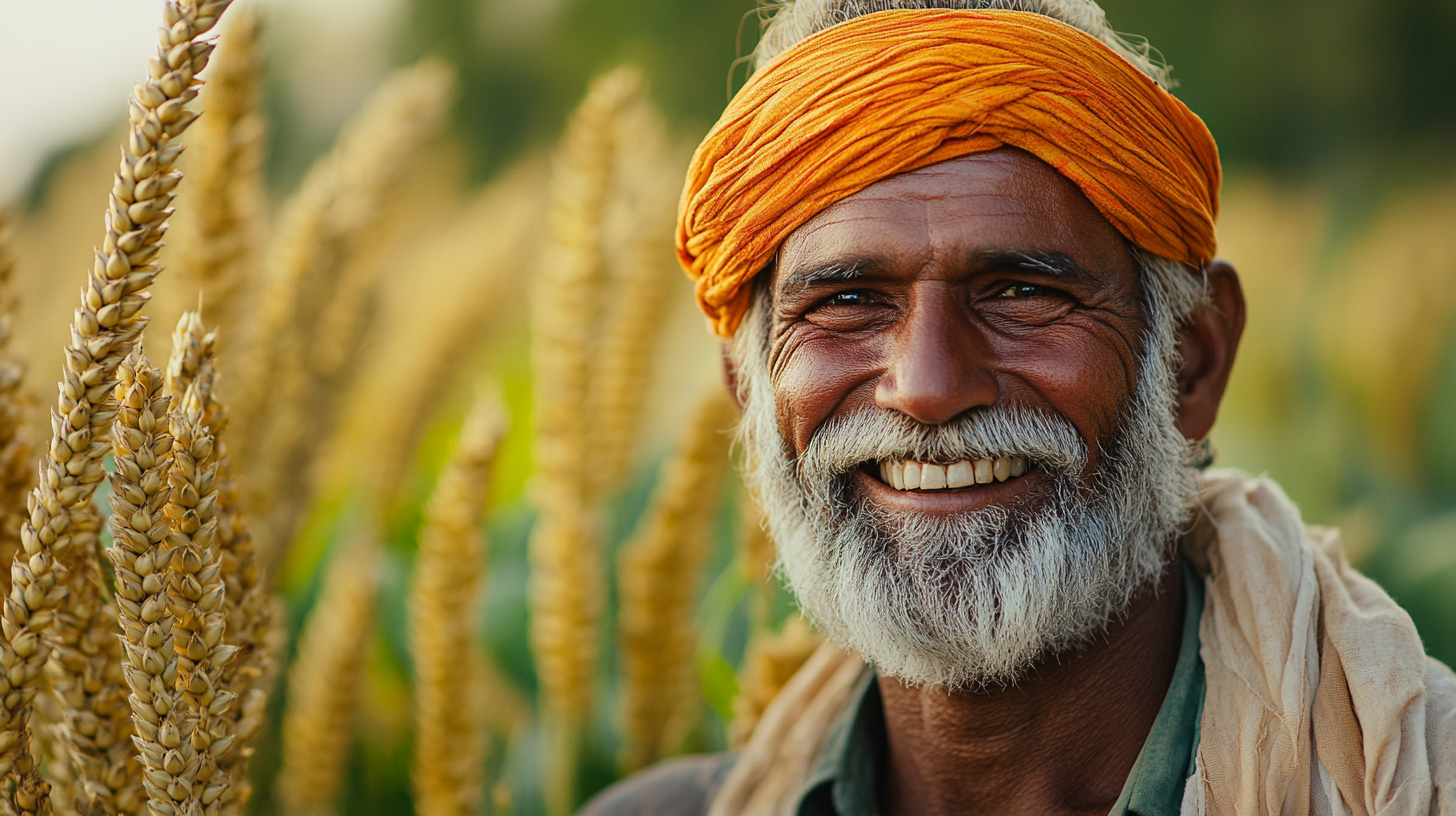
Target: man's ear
{"type": "Point", "coordinates": [1209, 343]}
{"type": "Point", "coordinates": [730, 372]}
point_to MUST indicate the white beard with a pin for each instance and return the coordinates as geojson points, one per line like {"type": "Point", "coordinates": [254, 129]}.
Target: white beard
{"type": "Point", "coordinates": [972, 600]}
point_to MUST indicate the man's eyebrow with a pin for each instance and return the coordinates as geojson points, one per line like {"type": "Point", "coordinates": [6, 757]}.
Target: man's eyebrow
{"type": "Point", "coordinates": [836, 271]}
{"type": "Point", "coordinates": [844, 270]}
{"type": "Point", "coordinates": [1057, 264]}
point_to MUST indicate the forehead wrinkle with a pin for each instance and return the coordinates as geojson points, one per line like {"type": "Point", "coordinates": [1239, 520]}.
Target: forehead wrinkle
{"type": "Point", "coordinates": [851, 212]}
{"type": "Point", "coordinates": [988, 203]}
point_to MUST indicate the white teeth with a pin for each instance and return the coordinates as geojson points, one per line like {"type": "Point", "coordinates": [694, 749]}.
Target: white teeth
{"type": "Point", "coordinates": [1002, 469]}
{"type": "Point", "coordinates": [910, 475]}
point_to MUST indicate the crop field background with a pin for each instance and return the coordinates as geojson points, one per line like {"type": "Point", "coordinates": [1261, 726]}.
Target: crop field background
{"type": "Point", "coordinates": [429, 320]}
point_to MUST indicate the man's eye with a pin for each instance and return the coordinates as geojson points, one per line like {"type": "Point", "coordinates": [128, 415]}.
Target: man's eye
{"type": "Point", "coordinates": [847, 299]}
{"type": "Point", "coordinates": [1021, 290]}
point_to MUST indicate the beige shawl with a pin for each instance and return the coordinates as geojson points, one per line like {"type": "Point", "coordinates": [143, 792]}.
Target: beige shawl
{"type": "Point", "coordinates": [1320, 698]}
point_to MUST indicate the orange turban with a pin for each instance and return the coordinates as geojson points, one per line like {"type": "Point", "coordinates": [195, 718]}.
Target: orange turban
{"type": "Point", "coordinates": [895, 91]}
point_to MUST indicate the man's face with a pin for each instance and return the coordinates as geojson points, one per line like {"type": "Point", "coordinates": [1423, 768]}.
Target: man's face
{"type": "Point", "coordinates": [976, 316]}
{"type": "Point", "coordinates": [980, 281]}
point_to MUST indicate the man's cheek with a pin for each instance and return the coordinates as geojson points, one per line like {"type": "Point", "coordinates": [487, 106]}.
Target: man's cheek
{"type": "Point", "coordinates": [1079, 381]}
{"type": "Point", "coordinates": [808, 391]}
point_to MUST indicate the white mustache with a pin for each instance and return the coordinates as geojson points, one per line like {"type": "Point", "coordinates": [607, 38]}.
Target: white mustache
{"type": "Point", "coordinates": [846, 442]}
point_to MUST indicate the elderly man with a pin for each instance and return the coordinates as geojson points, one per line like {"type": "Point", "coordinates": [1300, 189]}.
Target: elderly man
{"type": "Point", "coordinates": [962, 256]}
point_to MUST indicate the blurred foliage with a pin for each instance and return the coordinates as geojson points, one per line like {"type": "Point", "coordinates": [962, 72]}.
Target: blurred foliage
{"type": "Point", "coordinates": [523, 68]}
{"type": "Point", "coordinates": [1355, 91]}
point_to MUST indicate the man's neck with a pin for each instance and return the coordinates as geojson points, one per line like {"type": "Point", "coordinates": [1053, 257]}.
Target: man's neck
{"type": "Point", "coordinates": [1061, 741]}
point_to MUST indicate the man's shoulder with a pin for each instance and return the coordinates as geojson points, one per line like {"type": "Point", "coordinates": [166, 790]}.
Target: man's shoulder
{"type": "Point", "coordinates": [677, 787]}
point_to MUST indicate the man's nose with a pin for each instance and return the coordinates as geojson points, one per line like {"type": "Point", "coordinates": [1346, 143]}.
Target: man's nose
{"type": "Point", "coordinates": [937, 367]}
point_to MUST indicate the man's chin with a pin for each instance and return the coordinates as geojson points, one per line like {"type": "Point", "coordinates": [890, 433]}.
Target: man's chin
{"type": "Point", "coordinates": [976, 657]}
{"type": "Point", "coordinates": [954, 666]}
{"type": "Point", "coordinates": [935, 594]}
{"type": "Point", "coordinates": [923, 607]}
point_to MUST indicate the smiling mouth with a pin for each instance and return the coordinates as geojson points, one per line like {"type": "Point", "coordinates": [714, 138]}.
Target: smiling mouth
{"type": "Point", "coordinates": [908, 474]}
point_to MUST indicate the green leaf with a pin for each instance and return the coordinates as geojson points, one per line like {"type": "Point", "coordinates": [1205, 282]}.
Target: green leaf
{"type": "Point", "coordinates": [719, 684]}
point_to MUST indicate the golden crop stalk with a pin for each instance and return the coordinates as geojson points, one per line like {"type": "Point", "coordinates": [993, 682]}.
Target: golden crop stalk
{"type": "Point", "coordinates": [248, 608]}
{"type": "Point", "coordinates": [140, 554]}
{"type": "Point", "coordinates": [641, 265]}
{"type": "Point", "coordinates": [311, 321]}
{"type": "Point", "coordinates": [195, 595]}
{"type": "Point", "coordinates": [593, 328]}
{"type": "Point", "coordinates": [60, 537]}
{"type": "Point", "coordinates": [434, 339]}
{"type": "Point", "coordinates": [567, 591]}
{"type": "Point", "coordinates": [218, 236]}
{"type": "Point", "coordinates": [327, 679]}
{"type": "Point", "coordinates": [658, 579]}
{"type": "Point", "coordinates": [449, 762]}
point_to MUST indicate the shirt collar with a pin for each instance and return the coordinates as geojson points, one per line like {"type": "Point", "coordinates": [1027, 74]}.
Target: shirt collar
{"type": "Point", "coordinates": [845, 779]}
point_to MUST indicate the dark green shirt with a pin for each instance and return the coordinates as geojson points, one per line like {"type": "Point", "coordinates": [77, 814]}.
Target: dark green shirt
{"type": "Point", "coordinates": [846, 777]}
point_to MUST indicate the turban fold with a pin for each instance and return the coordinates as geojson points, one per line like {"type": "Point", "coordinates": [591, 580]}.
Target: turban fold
{"type": "Point", "coordinates": [896, 91]}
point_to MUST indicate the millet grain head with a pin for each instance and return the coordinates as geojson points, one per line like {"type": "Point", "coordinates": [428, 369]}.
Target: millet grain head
{"type": "Point", "coordinates": [565, 548]}
{"type": "Point", "coordinates": [196, 596]}
{"type": "Point", "coordinates": [304, 339]}
{"type": "Point", "coordinates": [247, 606]}
{"type": "Point", "coordinates": [219, 235]}
{"type": "Point", "coordinates": [326, 680]}
{"type": "Point", "coordinates": [450, 738]}
{"type": "Point", "coordinates": [85, 673]}
{"type": "Point", "coordinates": [567, 590]}
{"type": "Point", "coordinates": [58, 539]}
{"type": "Point", "coordinates": [658, 575]}
{"type": "Point", "coordinates": [140, 556]}
{"type": "Point", "coordinates": [640, 260]}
